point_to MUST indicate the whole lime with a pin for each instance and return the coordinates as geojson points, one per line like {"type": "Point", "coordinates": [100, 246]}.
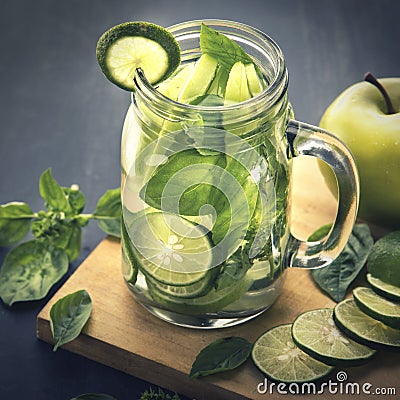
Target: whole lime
{"type": "Point", "coordinates": [384, 259]}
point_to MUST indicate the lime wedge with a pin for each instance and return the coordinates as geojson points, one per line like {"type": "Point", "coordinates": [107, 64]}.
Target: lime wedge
{"type": "Point", "coordinates": [237, 89]}
{"type": "Point", "coordinates": [170, 249]}
{"type": "Point", "coordinates": [364, 329]}
{"type": "Point", "coordinates": [173, 86]}
{"type": "Point", "coordinates": [377, 307]}
{"type": "Point", "coordinates": [383, 260]}
{"type": "Point", "coordinates": [315, 333]}
{"type": "Point", "coordinates": [384, 289]}
{"type": "Point", "coordinates": [125, 47]}
{"type": "Point", "coordinates": [253, 80]}
{"type": "Point", "coordinates": [277, 356]}
{"type": "Point", "coordinates": [200, 79]}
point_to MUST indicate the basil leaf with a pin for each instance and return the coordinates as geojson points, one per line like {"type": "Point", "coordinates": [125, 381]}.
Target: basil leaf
{"type": "Point", "coordinates": [221, 355]}
{"type": "Point", "coordinates": [67, 235]}
{"type": "Point", "coordinates": [108, 212]}
{"type": "Point", "coordinates": [219, 46]}
{"type": "Point", "coordinates": [52, 193]}
{"type": "Point", "coordinates": [76, 199]}
{"type": "Point", "coordinates": [30, 270]}
{"type": "Point", "coordinates": [320, 233]}
{"type": "Point", "coordinates": [68, 316]}
{"type": "Point", "coordinates": [94, 396]}
{"type": "Point", "coordinates": [15, 220]}
{"type": "Point", "coordinates": [337, 277]}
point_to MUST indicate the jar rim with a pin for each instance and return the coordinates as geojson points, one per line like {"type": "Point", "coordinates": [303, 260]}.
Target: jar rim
{"type": "Point", "coordinates": [267, 96]}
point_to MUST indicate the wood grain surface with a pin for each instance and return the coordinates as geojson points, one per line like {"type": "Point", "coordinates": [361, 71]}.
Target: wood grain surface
{"type": "Point", "coordinates": [125, 336]}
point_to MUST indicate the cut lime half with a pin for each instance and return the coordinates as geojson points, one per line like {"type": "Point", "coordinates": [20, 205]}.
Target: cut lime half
{"type": "Point", "coordinates": [277, 356]}
{"type": "Point", "coordinates": [377, 306]}
{"type": "Point", "coordinates": [364, 329]}
{"type": "Point", "coordinates": [170, 249]}
{"type": "Point", "coordinates": [131, 45]}
{"type": "Point", "coordinates": [384, 289]}
{"type": "Point", "coordinates": [315, 333]}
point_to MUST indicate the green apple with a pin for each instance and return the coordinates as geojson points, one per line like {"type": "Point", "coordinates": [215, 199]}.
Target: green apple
{"type": "Point", "coordinates": [367, 118]}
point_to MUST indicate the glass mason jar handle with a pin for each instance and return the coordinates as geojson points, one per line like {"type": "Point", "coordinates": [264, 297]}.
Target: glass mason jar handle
{"type": "Point", "coordinates": [304, 139]}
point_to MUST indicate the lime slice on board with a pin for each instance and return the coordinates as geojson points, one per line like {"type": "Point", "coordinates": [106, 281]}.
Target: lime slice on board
{"type": "Point", "coordinates": [131, 45]}
{"type": "Point", "coordinates": [171, 249]}
{"type": "Point", "coordinates": [315, 333]}
{"type": "Point", "coordinates": [364, 329]}
{"type": "Point", "coordinates": [384, 289]}
{"type": "Point", "coordinates": [383, 260]}
{"type": "Point", "coordinates": [277, 356]}
{"type": "Point", "coordinates": [377, 307]}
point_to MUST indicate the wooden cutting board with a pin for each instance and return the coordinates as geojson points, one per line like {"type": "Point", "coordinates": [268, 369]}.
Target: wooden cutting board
{"type": "Point", "coordinates": [123, 335]}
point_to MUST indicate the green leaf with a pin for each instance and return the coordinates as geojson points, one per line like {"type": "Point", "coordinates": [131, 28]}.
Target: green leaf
{"type": "Point", "coordinates": [219, 46]}
{"type": "Point", "coordinates": [68, 237]}
{"type": "Point", "coordinates": [68, 316]}
{"type": "Point", "coordinates": [337, 277]}
{"type": "Point", "coordinates": [108, 212]}
{"type": "Point", "coordinates": [221, 355]}
{"type": "Point", "coordinates": [30, 270]}
{"type": "Point", "coordinates": [320, 233]}
{"type": "Point", "coordinates": [94, 396]}
{"type": "Point", "coordinates": [15, 220]}
{"type": "Point", "coordinates": [159, 395]}
{"type": "Point", "coordinates": [53, 193]}
{"type": "Point", "coordinates": [76, 199]}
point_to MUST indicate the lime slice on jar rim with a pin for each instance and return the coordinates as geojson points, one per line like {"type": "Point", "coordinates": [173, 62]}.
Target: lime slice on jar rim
{"type": "Point", "coordinates": [315, 333]}
{"type": "Point", "coordinates": [278, 357]}
{"type": "Point", "coordinates": [131, 45]}
{"type": "Point", "coordinates": [364, 329]}
{"type": "Point", "coordinates": [377, 307]}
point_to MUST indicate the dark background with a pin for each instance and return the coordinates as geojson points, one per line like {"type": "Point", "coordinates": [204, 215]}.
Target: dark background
{"type": "Point", "coordinates": [57, 110]}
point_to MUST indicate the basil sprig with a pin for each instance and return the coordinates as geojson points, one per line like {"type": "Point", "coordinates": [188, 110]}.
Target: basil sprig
{"type": "Point", "coordinates": [33, 267]}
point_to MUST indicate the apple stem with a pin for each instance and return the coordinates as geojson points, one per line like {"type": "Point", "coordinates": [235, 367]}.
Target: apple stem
{"type": "Point", "coordinates": [371, 79]}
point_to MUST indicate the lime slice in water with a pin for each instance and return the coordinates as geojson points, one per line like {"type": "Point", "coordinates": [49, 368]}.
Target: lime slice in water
{"type": "Point", "coordinates": [128, 46]}
{"type": "Point", "coordinates": [384, 289]}
{"type": "Point", "coordinates": [171, 249]}
{"type": "Point", "coordinates": [377, 307]}
{"type": "Point", "coordinates": [315, 333]}
{"type": "Point", "coordinates": [364, 329]}
{"type": "Point", "coordinates": [277, 356]}
{"type": "Point", "coordinates": [212, 302]}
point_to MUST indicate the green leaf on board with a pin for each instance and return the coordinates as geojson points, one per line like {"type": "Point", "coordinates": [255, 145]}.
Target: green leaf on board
{"type": "Point", "coordinates": [30, 270]}
{"type": "Point", "coordinates": [221, 355]}
{"type": "Point", "coordinates": [68, 316]}
{"type": "Point", "coordinates": [335, 278]}
{"type": "Point", "coordinates": [15, 220]}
